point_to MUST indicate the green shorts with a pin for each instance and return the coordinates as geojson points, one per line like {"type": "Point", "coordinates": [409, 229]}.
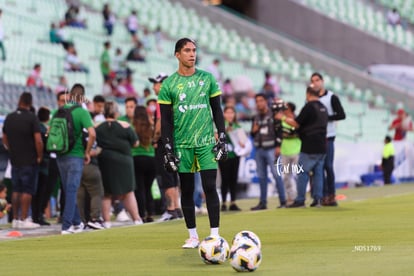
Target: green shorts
{"type": "Point", "coordinates": [196, 159]}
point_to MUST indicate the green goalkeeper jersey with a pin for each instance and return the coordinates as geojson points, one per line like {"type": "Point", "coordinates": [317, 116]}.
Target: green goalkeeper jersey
{"type": "Point", "coordinates": [189, 97]}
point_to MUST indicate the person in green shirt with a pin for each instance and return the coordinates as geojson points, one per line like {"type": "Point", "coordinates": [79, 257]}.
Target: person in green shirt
{"type": "Point", "coordinates": [71, 164]}
{"type": "Point", "coordinates": [105, 61]}
{"type": "Point", "coordinates": [190, 106]}
{"type": "Point", "coordinates": [229, 168]}
{"type": "Point", "coordinates": [289, 151]}
{"type": "Point", "coordinates": [387, 163]}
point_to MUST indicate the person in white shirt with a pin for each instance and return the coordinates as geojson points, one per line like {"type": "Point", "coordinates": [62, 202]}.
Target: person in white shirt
{"type": "Point", "coordinates": [132, 23]}
{"type": "Point", "coordinates": [393, 17]}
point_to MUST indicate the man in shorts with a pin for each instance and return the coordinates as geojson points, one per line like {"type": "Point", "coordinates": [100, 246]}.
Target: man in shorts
{"type": "Point", "coordinates": [190, 106]}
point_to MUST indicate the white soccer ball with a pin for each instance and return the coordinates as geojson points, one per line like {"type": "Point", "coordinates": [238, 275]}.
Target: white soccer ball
{"type": "Point", "coordinates": [246, 236]}
{"type": "Point", "coordinates": [214, 250]}
{"type": "Point", "coordinates": [245, 257]}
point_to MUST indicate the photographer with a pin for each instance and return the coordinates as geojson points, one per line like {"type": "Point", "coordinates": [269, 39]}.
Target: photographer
{"type": "Point", "coordinates": [311, 122]}
{"type": "Point", "coordinates": [267, 140]}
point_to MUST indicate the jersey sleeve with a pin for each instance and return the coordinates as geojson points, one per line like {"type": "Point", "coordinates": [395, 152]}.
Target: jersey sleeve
{"type": "Point", "coordinates": [86, 119]}
{"type": "Point", "coordinates": [164, 97]}
{"type": "Point", "coordinates": [214, 87]}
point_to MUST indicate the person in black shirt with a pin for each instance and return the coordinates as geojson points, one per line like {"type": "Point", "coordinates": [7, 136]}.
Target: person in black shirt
{"type": "Point", "coordinates": [22, 138]}
{"type": "Point", "coordinates": [312, 122]}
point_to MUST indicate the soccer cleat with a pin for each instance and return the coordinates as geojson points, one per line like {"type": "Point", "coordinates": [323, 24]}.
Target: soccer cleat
{"type": "Point", "coordinates": [107, 224]}
{"type": "Point", "coordinates": [260, 206]}
{"type": "Point", "coordinates": [76, 228]}
{"type": "Point", "coordinates": [316, 203]}
{"type": "Point", "coordinates": [234, 207]}
{"type": "Point", "coordinates": [168, 215]}
{"type": "Point", "coordinates": [66, 232]}
{"type": "Point", "coordinates": [191, 243]}
{"type": "Point", "coordinates": [297, 204]}
{"type": "Point", "coordinates": [96, 224]}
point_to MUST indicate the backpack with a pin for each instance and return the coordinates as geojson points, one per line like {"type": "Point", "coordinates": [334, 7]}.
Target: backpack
{"type": "Point", "coordinates": [61, 136]}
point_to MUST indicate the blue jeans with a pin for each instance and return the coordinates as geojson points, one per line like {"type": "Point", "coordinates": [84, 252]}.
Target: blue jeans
{"type": "Point", "coordinates": [70, 169]}
{"type": "Point", "coordinates": [264, 158]}
{"type": "Point", "coordinates": [314, 163]}
{"type": "Point", "coordinates": [329, 180]}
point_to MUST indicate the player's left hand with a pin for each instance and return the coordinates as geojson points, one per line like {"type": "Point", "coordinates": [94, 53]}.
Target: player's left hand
{"type": "Point", "coordinates": [220, 149]}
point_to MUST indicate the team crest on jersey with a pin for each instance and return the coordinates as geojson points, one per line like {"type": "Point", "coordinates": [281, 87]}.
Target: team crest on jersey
{"type": "Point", "coordinates": [180, 86]}
{"type": "Point", "coordinates": [182, 96]}
{"type": "Point", "coordinates": [201, 83]}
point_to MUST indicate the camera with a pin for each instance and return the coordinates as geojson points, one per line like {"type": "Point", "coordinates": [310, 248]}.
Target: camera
{"type": "Point", "coordinates": [278, 106]}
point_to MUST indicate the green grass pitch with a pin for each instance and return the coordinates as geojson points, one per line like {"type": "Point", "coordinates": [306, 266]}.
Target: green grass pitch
{"type": "Point", "coordinates": [370, 233]}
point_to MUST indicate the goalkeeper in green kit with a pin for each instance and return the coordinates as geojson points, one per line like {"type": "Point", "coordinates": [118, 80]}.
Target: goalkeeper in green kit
{"type": "Point", "coordinates": [190, 106]}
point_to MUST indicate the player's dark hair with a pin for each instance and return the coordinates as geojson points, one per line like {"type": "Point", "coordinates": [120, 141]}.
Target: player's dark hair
{"type": "Point", "coordinates": [388, 139]}
{"type": "Point", "coordinates": [60, 94]}
{"type": "Point", "coordinates": [317, 74]}
{"type": "Point", "coordinates": [260, 95]}
{"type": "Point", "coordinates": [99, 99]}
{"type": "Point", "coordinates": [26, 99]}
{"type": "Point", "coordinates": [181, 42]}
{"type": "Point", "coordinates": [291, 106]}
{"type": "Point", "coordinates": [43, 114]}
{"type": "Point", "coordinates": [131, 99]}
{"type": "Point", "coordinates": [142, 125]}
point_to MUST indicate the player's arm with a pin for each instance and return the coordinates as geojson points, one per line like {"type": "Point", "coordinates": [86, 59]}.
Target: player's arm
{"type": "Point", "coordinates": [339, 113]}
{"type": "Point", "coordinates": [171, 162]}
{"type": "Point", "coordinates": [5, 141]}
{"type": "Point", "coordinates": [218, 117]}
{"type": "Point", "coordinates": [167, 123]}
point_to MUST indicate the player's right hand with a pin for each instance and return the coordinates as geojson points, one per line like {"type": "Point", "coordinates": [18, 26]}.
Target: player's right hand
{"type": "Point", "coordinates": [171, 161]}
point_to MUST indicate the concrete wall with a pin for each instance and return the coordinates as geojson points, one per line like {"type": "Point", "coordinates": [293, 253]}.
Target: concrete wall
{"type": "Point", "coordinates": [287, 47]}
{"type": "Point", "coordinates": [329, 35]}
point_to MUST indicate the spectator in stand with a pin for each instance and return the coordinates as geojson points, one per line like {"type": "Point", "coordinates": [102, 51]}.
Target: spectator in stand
{"type": "Point", "coordinates": [227, 88]}
{"type": "Point", "coordinates": [35, 78]}
{"type": "Point", "coordinates": [393, 17]}
{"type": "Point", "coordinates": [72, 62]}
{"type": "Point", "coordinates": [72, 17]}
{"type": "Point", "coordinates": [108, 19]}
{"type": "Point", "coordinates": [3, 51]}
{"type": "Point", "coordinates": [137, 52]}
{"type": "Point", "coordinates": [44, 188]}
{"type": "Point", "coordinates": [146, 39]}
{"type": "Point", "coordinates": [22, 138]}
{"type": "Point", "coordinates": [119, 64]}
{"type": "Point", "coordinates": [62, 85]}
{"type": "Point", "coordinates": [243, 109]}
{"type": "Point", "coordinates": [105, 61]}
{"type": "Point", "coordinates": [131, 24]}
{"type": "Point", "coordinates": [387, 163]}
{"type": "Point", "coordinates": [399, 125]}
{"type": "Point", "coordinates": [116, 138]}
{"type": "Point", "coordinates": [269, 93]}
{"type": "Point", "coordinates": [144, 163]}
{"type": "Point", "coordinates": [269, 79]}
{"type": "Point", "coordinates": [214, 69]}
{"type": "Point", "coordinates": [158, 39]}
